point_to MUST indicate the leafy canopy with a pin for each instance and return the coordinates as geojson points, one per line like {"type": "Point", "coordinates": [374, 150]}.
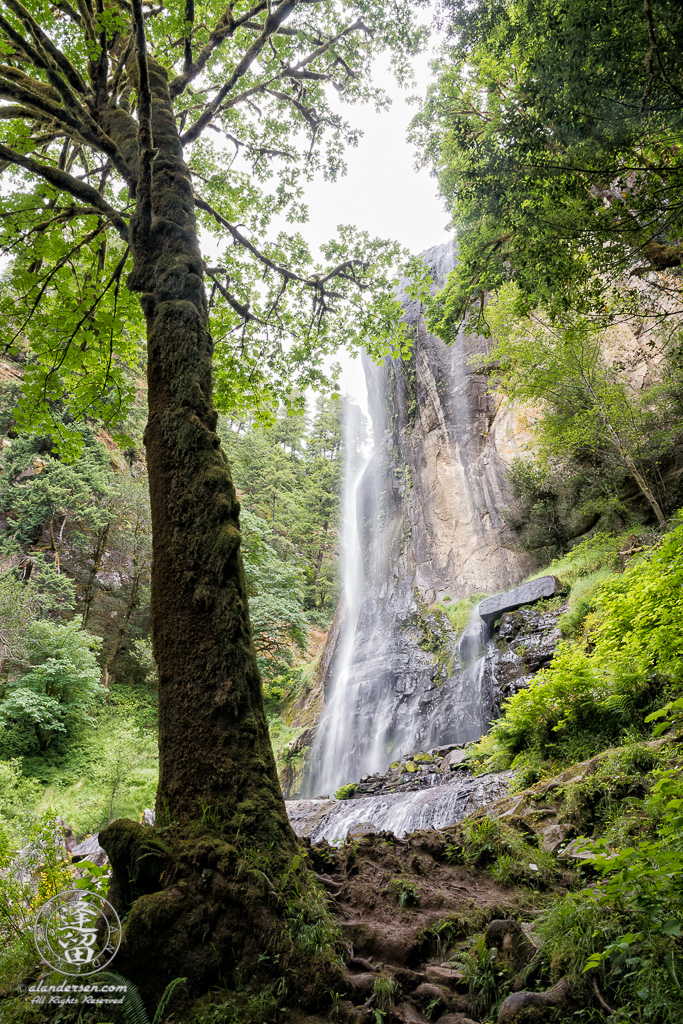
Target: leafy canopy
{"type": "Point", "coordinates": [587, 409]}
{"type": "Point", "coordinates": [260, 94]}
{"type": "Point", "coordinates": [554, 130]}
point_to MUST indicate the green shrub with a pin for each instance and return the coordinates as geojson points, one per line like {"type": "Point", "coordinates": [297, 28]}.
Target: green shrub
{"type": "Point", "coordinates": [55, 692]}
{"type": "Point", "coordinates": [626, 931]}
{"type": "Point", "coordinates": [385, 988]}
{"type": "Point", "coordinates": [487, 978]}
{"type": "Point", "coordinates": [503, 851]}
{"type": "Point", "coordinates": [405, 892]}
{"type": "Point", "coordinates": [582, 600]}
{"type": "Point", "coordinates": [598, 687]}
{"type": "Point", "coordinates": [600, 551]}
{"type": "Point", "coordinates": [347, 791]}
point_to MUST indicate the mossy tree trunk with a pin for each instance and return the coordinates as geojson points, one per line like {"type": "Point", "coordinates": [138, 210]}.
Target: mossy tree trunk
{"type": "Point", "coordinates": [214, 750]}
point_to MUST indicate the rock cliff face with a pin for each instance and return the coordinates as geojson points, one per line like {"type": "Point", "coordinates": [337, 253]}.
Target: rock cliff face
{"type": "Point", "coordinates": [443, 477]}
{"type": "Point", "coordinates": [429, 509]}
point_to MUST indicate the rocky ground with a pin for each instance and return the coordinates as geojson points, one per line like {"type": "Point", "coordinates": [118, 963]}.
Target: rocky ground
{"type": "Point", "coordinates": [412, 910]}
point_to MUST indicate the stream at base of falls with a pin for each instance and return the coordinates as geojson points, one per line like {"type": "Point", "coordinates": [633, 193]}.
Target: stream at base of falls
{"type": "Point", "coordinates": [436, 807]}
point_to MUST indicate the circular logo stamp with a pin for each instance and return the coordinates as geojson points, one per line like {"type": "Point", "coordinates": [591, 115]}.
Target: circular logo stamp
{"type": "Point", "coordinates": [77, 932]}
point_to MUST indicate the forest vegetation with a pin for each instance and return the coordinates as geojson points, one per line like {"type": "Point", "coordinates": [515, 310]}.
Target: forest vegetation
{"type": "Point", "coordinates": [126, 645]}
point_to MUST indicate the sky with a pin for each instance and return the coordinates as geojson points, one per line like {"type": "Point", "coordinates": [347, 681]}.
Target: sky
{"type": "Point", "coordinates": [382, 192]}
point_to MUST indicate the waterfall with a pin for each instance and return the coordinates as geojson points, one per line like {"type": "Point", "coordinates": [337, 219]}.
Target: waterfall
{"type": "Point", "coordinates": [400, 813]}
{"type": "Point", "coordinates": [421, 526]}
{"type": "Point", "coordinates": [330, 755]}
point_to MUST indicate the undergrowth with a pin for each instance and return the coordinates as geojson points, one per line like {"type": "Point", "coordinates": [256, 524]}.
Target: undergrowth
{"type": "Point", "coordinates": [501, 850]}
{"type": "Point", "coordinates": [603, 683]}
{"type": "Point", "coordinates": [460, 612]}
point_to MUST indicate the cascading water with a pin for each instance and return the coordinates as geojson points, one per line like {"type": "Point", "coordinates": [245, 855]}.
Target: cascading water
{"type": "Point", "coordinates": [400, 813]}
{"type": "Point", "coordinates": [422, 525]}
{"type": "Point", "coordinates": [333, 740]}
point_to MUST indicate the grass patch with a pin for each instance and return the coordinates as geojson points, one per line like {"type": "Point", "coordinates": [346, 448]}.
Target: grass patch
{"type": "Point", "coordinates": [459, 612]}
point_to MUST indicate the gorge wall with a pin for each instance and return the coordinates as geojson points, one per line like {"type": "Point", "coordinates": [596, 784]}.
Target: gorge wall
{"type": "Point", "coordinates": [430, 528]}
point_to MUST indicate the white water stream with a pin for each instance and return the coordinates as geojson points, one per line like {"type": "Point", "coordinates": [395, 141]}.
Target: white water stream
{"type": "Point", "coordinates": [400, 813]}
{"type": "Point", "coordinates": [333, 740]}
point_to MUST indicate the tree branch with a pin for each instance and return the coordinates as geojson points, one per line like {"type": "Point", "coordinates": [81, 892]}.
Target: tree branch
{"type": "Point", "coordinates": [187, 28]}
{"type": "Point", "coordinates": [271, 24]}
{"type": "Point", "coordinates": [66, 8]}
{"type": "Point", "coordinates": [234, 303]}
{"type": "Point", "coordinates": [144, 182]}
{"type": "Point", "coordinates": [66, 183]}
{"type": "Point", "coordinates": [225, 27]}
{"type": "Point", "coordinates": [317, 284]}
{"type": "Point", "coordinates": [17, 86]}
{"type": "Point", "coordinates": [60, 60]}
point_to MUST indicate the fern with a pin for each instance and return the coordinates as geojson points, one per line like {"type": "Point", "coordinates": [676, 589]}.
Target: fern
{"type": "Point", "coordinates": [133, 1009]}
{"type": "Point", "coordinates": [166, 998]}
{"type": "Point", "coordinates": [673, 965]}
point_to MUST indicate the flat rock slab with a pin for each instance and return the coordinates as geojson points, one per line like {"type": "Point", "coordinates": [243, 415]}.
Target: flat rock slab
{"type": "Point", "coordinates": [492, 608]}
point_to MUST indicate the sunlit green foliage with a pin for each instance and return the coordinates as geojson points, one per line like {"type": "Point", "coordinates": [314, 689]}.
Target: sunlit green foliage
{"type": "Point", "coordinates": [554, 131]}
{"type": "Point", "coordinates": [626, 932]}
{"type": "Point", "coordinates": [587, 410]}
{"type": "Point", "coordinates": [626, 663]}
{"type": "Point", "coordinates": [53, 691]}
{"type": "Point", "coordinates": [460, 612]}
{"type": "Point", "coordinates": [256, 125]}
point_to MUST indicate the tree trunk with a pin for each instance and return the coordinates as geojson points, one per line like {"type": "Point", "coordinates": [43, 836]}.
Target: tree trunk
{"type": "Point", "coordinates": [640, 480]}
{"type": "Point", "coordinates": [98, 555]}
{"type": "Point", "coordinates": [216, 893]}
{"type": "Point", "coordinates": [123, 629]}
{"type": "Point", "coordinates": [214, 748]}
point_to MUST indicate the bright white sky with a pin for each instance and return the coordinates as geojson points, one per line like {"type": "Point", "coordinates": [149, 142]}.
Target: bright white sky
{"type": "Point", "coordinates": [382, 192]}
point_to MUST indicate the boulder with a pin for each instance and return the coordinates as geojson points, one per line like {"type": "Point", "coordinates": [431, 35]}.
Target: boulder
{"type": "Point", "coordinates": [491, 608]}
{"type": "Point", "coordinates": [445, 976]}
{"type": "Point", "coordinates": [361, 985]}
{"type": "Point", "coordinates": [512, 944]}
{"type": "Point", "coordinates": [435, 996]}
{"type": "Point", "coordinates": [553, 836]}
{"type": "Point", "coordinates": [577, 852]}
{"type": "Point", "coordinates": [453, 760]}
{"type": "Point", "coordinates": [534, 1007]}
{"type": "Point", "coordinates": [455, 1018]}
{"type": "Point", "coordinates": [363, 828]}
{"type": "Point", "coordinates": [91, 850]}
{"type": "Point", "coordinates": [407, 1014]}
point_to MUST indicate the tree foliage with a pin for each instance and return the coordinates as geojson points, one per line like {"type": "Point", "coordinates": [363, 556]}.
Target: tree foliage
{"type": "Point", "coordinates": [289, 473]}
{"type": "Point", "coordinates": [587, 409]}
{"type": "Point", "coordinates": [51, 681]}
{"type": "Point", "coordinates": [554, 132]}
{"type": "Point", "coordinates": [259, 97]}
{"type": "Point", "coordinates": [627, 661]}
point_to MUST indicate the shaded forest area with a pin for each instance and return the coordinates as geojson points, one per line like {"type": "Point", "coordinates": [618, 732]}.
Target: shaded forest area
{"type": "Point", "coordinates": [79, 679]}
